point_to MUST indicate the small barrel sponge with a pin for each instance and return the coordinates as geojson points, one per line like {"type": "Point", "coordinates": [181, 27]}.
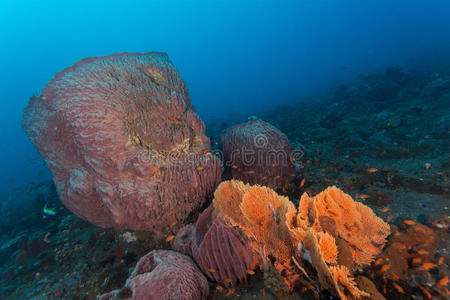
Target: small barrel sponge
{"type": "Point", "coordinates": [123, 142]}
{"type": "Point", "coordinates": [258, 153]}
{"type": "Point", "coordinates": [220, 250]}
{"type": "Point", "coordinates": [163, 275]}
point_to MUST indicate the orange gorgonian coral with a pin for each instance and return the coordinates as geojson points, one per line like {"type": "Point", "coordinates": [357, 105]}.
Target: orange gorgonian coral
{"type": "Point", "coordinates": [322, 226]}
{"type": "Point", "coordinates": [356, 223]}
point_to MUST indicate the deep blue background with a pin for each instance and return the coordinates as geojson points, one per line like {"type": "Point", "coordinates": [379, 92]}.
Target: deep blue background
{"type": "Point", "coordinates": [234, 55]}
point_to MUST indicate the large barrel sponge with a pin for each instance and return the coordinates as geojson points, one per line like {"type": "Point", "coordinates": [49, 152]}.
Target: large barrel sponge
{"type": "Point", "coordinates": [123, 141]}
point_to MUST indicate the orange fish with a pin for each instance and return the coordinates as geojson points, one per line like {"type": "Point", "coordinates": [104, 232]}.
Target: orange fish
{"type": "Point", "coordinates": [208, 153]}
{"type": "Point", "coordinates": [386, 267]}
{"type": "Point", "coordinates": [423, 252]}
{"type": "Point", "coordinates": [385, 209]}
{"type": "Point", "coordinates": [440, 260]}
{"type": "Point", "coordinates": [416, 260]}
{"type": "Point", "coordinates": [199, 168]}
{"type": "Point", "coordinates": [153, 169]}
{"type": "Point", "coordinates": [372, 170]}
{"type": "Point", "coordinates": [398, 288]}
{"type": "Point", "coordinates": [264, 292]}
{"type": "Point", "coordinates": [446, 291]}
{"type": "Point", "coordinates": [409, 222]}
{"type": "Point", "coordinates": [398, 245]}
{"type": "Point", "coordinates": [173, 223]}
{"type": "Point", "coordinates": [251, 272]}
{"type": "Point", "coordinates": [389, 218]}
{"type": "Point", "coordinates": [363, 196]}
{"type": "Point", "coordinates": [230, 292]}
{"type": "Point", "coordinates": [212, 270]}
{"type": "Point", "coordinates": [251, 172]}
{"type": "Point", "coordinates": [443, 281]}
{"type": "Point", "coordinates": [302, 183]}
{"type": "Point", "coordinates": [424, 290]}
{"type": "Point", "coordinates": [396, 277]}
{"type": "Point", "coordinates": [234, 167]}
{"type": "Point", "coordinates": [427, 266]}
{"type": "Point", "coordinates": [169, 238]}
{"type": "Point", "coordinates": [228, 280]}
{"type": "Point", "coordinates": [219, 288]}
{"type": "Point", "coordinates": [378, 261]}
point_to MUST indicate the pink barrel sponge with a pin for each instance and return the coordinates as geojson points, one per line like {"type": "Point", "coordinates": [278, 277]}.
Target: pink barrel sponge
{"type": "Point", "coordinates": [163, 275]}
{"type": "Point", "coordinates": [258, 153]}
{"type": "Point", "coordinates": [220, 250]}
{"type": "Point", "coordinates": [123, 141]}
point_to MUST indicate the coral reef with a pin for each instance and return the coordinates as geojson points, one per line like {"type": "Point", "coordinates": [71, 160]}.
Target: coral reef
{"type": "Point", "coordinates": [258, 153]}
{"type": "Point", "coordinates": [163, 274]}
{"type": "Point", "coordinates": [123, 141]}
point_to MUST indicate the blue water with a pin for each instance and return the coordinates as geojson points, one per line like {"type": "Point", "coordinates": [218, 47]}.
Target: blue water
{"type": "Point", "coordinates": [234, 55]}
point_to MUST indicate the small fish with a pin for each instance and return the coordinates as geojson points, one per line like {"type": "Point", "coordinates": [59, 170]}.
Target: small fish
{"type": "Point", "coordinates": [385, 209]}
{"type": "Point", "coordinates": [153, 169]}
{"type": "Point", "coordinates": [440, 260]}
{"type": "Point", "coordinates": [228, 280]}
{"type": "Point", "coordinates": [424, 290]}
{"type": "Point", "coordinates": [423, 252]}
{"type": "Point", "coordinates": [443, 281]}
{"type": "Point", "coordinates": [211, 270]}
{"type": "Point", "coordinates": [395, 276]}
{"type": "Point", "coordinates": [250, 272]}
{"type": "Point", "coordinates": [219, 288]}
{"type": "Point", "coordinates": [234, 167]}
{"type": "Point", "coordinates": [199, 168]}
{"type": "Point", "coordinates": [398, 288]}
{"type": "Point", "coordinates": [264, 292]}
{"type": "Point", "coordinates": [424, 205]}
{"type": "Point", "coordinates": [427, 266]}
{"type": "Point", "coordinates": [208, 153]}
{"type": "Point", "coordinates": [251, 172]}
{"type": "Point", "coordinates": [378, 261]}
{"type": "Point", "coordinates": [389, 218]}
{"type": "Point", "coordinates": [416, 260]}
{"type": "Point", "coordinates": [409, 222]}
{"type": "Point", "coordinates": [364, 196]}
{"type": "Point", "coordinates": [302, 183]}
{"type": "Point", "coordinates": [230, 292]}
{"type": "Point", "coordinates": [169, 238]}
{"type": "Point", "coordinates": [386, 267]}
{"type": "Point", "coordinates": [48, 211]}
{"type": "Point", "coordinates": [173, 223]}
{"type": "Point", "coordinates": [398, 245]}
{"type": "Point", "coordinates": [372, 170]}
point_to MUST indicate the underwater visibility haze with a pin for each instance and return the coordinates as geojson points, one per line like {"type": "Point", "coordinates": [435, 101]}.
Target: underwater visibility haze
{"type": "Point", "coordinates": [225, 149]}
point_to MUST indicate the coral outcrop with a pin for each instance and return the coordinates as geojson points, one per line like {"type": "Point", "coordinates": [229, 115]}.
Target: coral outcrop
{"type": "Point", "coordinates": [258, 153]}
{"type": "Point", "coordinates": [125, 146]}
{"type": "Point", "coordinates": [163, 274]}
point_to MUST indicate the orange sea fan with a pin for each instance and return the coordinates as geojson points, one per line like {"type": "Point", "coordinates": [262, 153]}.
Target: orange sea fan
{"type": "Point", "coordinates": [265, 213]}
{"type": "Point", "coordinates": [355, 223]}
{"type": "Point", "coordinates": [227, 198]}
{"type": "Point", "coordinates": [346, 283]}
{"type": "Point", "coordinates": [328, 247]}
